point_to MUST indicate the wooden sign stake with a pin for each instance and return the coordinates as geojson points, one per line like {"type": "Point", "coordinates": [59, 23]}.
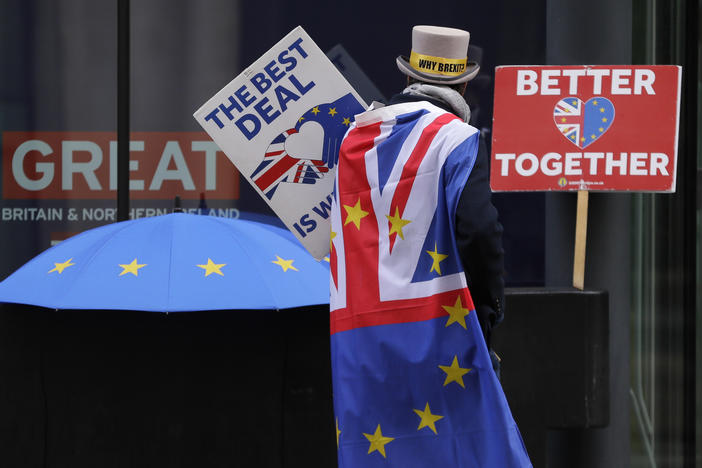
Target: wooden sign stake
{"type": "Point", "coordinates": [580, 239]}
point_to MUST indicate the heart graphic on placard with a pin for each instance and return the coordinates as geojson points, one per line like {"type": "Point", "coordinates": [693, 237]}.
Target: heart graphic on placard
{"type": "Point", "coordinates": [582, 123]}
{"type": "Point", "coordinates": [307, 143]}
{"type": "Point", "coordinates": [306, 153]}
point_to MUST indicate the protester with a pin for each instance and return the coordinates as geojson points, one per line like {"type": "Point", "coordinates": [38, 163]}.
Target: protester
{"type": "Point", "coordinates": [417, 284]}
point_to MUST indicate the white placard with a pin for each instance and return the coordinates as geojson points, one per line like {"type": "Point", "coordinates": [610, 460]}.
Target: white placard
{"type": "Point", "coordinates": [281, 123]}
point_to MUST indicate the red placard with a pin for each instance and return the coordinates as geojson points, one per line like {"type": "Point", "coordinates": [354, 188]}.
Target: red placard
{"type": "Point", "coordinates": [585, 128]}
{"type": "Point", "coordinates": [83, 165]}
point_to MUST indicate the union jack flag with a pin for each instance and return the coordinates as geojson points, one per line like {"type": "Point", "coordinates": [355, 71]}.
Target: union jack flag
{"type": "Point", "coordinates": [413, 381]}
{"type": "Point", "coordinates": [278, 166]}
{"type": "Point", "coordinates": [569, 118]}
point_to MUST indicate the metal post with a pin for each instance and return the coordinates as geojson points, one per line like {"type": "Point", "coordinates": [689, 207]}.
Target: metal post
{"type": "Point", "coordinates": [688, 171]}
{"type": "Point", "coordinates": [122, 110]}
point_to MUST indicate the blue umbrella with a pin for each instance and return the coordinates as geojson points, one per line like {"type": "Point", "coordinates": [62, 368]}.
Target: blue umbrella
{"type": "Point", "coordinates": [172, 263]}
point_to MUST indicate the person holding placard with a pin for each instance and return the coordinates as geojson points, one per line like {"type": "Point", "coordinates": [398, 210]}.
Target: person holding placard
{"type": "Point", "coordinates": [416, 264]}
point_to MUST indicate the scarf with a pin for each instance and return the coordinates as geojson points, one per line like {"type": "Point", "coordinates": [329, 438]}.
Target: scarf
{"type": "Point", "coordinates": [449, 96]}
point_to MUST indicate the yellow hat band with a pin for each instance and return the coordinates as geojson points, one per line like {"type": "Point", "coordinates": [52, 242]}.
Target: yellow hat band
{"type": "Point", "coordinates": [437, 65]}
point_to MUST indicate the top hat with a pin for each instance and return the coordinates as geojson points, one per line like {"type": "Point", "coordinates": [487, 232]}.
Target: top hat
{"type": "Point", "coordinates": [439, 55]}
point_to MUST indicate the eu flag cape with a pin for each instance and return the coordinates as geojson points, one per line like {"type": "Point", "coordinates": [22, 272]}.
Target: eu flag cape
{"type": "Point", "coordinates": [412, 379]}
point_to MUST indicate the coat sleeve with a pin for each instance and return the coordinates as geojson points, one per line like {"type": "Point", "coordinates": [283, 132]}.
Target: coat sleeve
{"type": "Point", "coordinates": [479, 240]}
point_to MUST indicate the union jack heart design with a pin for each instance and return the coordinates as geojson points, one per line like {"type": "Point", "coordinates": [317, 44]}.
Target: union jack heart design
{"type": "Point", "coordinates": [307, 152]}
{"type": "Point", "coordinates": [583, 123]}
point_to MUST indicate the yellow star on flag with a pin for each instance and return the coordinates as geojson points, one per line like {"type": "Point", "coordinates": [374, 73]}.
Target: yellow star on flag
{"type": "Point", "coordinates": [594, 103]}
{"type": "Point", "coordinates": [454, 373]}
{"type": "Point", "coordinates": [436, 258]}
{"type": "Point", "coordinates": [563, 119]}
{"type": "Point", "coordinates": [457, 313]}
{"type": "Point", "coordinates": [332, 111]}
{"type": "Point", "coordinates": [575, 103]}
{"type": "Point", "coordinates": [300, 119]}
{"type": "Point", "coordinates": [331, 240]}
{"type": "Point", "coordinates": [592, 136]}
{"type": "Point", "coordinates": [601, 129]}
{"type": "Point", "coordinates": [397, 223]}
{"type": "Point", "coordinates": [132, 268]}
{"type": "Point", "coordinates": [315, 110]}
{"type": "Point", "coordinates": [602, 110]}
{"type": "Point", "coordinates": [346, 121]}
{"type": "Point", "coordinates": [212, 267]}
{"type": "Point", "coordinates": [284, 264]}
{"type": "Point", "coordinates": [355, 214]}
{"type": "Point", "coordinates": [427, 419]}
{"type": "Point", "coordinates": [338, 432]}
{"type": "Point", "coordinates": [378, 441]}
{"type": "Point", "coordinates": [604, 119]}
{"type": "Point", "coordinates": [59, 267]}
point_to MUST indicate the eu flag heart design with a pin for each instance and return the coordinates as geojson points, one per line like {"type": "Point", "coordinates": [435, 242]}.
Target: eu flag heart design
{"type": "Point", "coordinates": [582, 123]}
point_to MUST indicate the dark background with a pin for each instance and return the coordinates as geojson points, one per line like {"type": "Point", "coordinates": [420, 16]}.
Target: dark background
{"type": "Point", "coordinates": [139, 389]}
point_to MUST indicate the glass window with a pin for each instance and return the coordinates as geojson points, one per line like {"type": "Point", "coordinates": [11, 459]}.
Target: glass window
{"type": "Point", "coordinates": [661, 361]}
{"type": "Point", "coordinates": [699, 238]}
{"type": "Point", "coordinates": [57, 123]}
{"type": "Point", "coordinates": [182, 52]}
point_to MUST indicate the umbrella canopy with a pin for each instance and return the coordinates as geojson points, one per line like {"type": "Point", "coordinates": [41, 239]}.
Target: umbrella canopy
{"type": "Point", "coordinates": [171, 263]}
